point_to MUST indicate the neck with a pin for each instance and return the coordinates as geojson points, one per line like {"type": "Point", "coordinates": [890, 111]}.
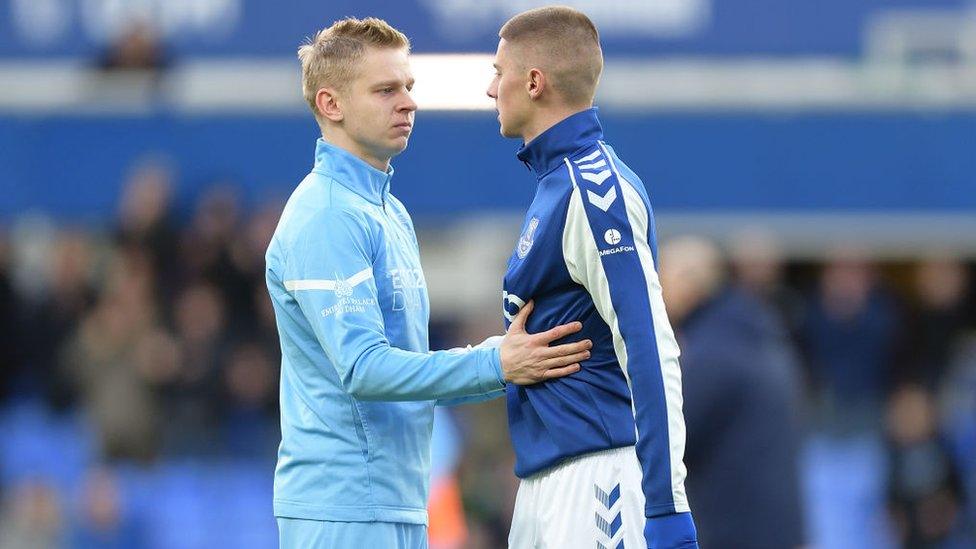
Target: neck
{"type": "Point", "coordinates": [342, 140]}
{"type": "Point", "coordinates": [547, 118]}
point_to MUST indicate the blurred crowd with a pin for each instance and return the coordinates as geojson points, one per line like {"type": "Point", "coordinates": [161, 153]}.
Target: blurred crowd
{"type": "Point", "coordinates": [828, 403]}
{"type": "Point", "coordinates": [155, 334]}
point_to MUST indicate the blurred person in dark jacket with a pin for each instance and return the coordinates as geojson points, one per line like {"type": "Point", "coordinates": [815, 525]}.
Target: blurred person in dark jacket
{"type": "Point", "coordinates": [145, 222]}
{"type": "Point", "coordinates": [9, 316]}
{"type": "Point", "coordinates": [850, 331]}
{"type": "Point", "coordinates": [741, 403]}
{"type": "Point", "coordinates": [51, 319]}
{"type": "Point", "coordinates": [757, 267]}
{"type": "Point", "coordinates": [189, 398]}
{"type": "Point", "coordinates": [958, 407]}
{"type": "Point", "coordinates": [939, 319]}
{"type": "Point", "coordinates": [925, 489]}
{"type": "Point", "coordinates": [219, 248]}
{"type": "Point", "coordinates": [249, 401]}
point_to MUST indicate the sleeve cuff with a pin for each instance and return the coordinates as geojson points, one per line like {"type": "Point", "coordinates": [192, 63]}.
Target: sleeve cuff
{"type": "Point", "coordinates": [675, 531]}
{"type": "Point", "coordinates": [490, 370]}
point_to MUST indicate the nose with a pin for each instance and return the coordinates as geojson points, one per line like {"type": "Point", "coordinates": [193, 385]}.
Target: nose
{"type": "Point", "coordinates": [491, 91]}
{"type": "Point", "coordinates": [409, 105]}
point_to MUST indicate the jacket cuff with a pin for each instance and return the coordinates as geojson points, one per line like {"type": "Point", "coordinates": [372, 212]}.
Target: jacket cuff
{"type": "Point", "coordinates": [490, 370]}
{"type": "Point", "coordinates": [675, 531]}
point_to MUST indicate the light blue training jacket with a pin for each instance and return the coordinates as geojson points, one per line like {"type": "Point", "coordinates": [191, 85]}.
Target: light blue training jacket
{"type": "Point", "coordinates": [358, 381]}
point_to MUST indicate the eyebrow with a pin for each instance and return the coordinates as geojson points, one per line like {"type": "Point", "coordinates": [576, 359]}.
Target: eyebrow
{"type": "Point", "coordinates": [386, 83]}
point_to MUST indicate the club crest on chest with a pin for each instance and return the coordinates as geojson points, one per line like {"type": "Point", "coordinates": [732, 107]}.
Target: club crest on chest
{"type": "Point", "coordinates": [527, 238]}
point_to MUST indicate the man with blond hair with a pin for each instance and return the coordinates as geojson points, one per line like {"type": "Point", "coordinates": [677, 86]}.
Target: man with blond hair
{"type": "Point", "coordinates": [599, 452]}
{"type": "Point", "coordinates": [358, 381]}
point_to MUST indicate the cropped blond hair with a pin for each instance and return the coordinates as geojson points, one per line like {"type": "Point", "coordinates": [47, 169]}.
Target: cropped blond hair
{"type": "Point", "coordinates": [330, 57]}
{"type": "Point", "coordinates": [563, 43]}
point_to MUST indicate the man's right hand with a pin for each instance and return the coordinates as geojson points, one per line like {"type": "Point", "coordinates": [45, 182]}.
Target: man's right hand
{"type": "Point", "coordinates": [528, 358]}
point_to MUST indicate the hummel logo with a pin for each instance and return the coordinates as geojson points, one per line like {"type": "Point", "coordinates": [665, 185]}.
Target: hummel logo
{"type": "Point", "coordinates": [597, 178]}
{"type": "Point", "coordinates": [588, 157]}
{"type": "Point", "coordinates": [602, 202]}
{"type": "Point", "coordinates": [607, 499]}
{"type": "Point", "coordinates": [594, 165]}
{"type": "Point", "coordinates": [610, 526]}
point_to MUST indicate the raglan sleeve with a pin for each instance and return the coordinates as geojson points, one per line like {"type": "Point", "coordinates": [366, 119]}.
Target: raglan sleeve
{"type": "Point", "coordinates": [607, 246]}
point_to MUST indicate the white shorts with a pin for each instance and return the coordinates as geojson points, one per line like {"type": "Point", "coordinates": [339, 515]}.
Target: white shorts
{"type": "Point", "coordinates": [592, 501]}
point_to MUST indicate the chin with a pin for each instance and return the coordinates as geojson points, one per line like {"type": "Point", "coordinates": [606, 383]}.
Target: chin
{"type": "Point", "coordinates": [399, 145]}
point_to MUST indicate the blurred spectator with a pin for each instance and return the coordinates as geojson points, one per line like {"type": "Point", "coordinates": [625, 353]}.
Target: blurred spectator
{"type": "Point", "coordinates": [31, 517]}
{"type": "Point", "coordinates": [758, 267]}
{"type": "Point", "coordinates": [938, 321]}
{"type": "Point", "coordinates": [246, 293]}
{"type": "Point", "coordinates": [145, 222]}
{"type": "Point", "coordinates": [102, 519]}
{"type": "Point", "coordinates": [250, 402]}
{"type": "Point", "coordinates": [206, 243]}
{"type": "Point", "coordinates": [189, 403]}
{"type": "Point", "coordinates": [9, 315]}
{"type": "Point", "coordinates": [959, 410]}
{"type": "Point", "coordinates": [52, 319]}
{"type": "Point", "coordinates": [101, 360]}
{"type": "Point", "coordinates": [925, 490]}
{"type": "Point", "coordinates": [136, 48]}
{"type": "Point", "coordinates": [741, 404]}
{"type": "Point", "coordinates": [849, 333]}
{"type": "Point", "coordinates": [220, 249]}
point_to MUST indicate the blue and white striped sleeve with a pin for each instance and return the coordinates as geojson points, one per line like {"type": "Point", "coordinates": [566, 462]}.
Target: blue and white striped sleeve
{"type": "Point", "coordinates": [329, 273]}
{"type": "Point", "coordinates": [608, 250]}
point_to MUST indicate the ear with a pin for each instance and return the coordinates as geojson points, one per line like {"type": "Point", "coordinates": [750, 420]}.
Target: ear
{"type": "Point", "coordinates": [327, 103]}
{"type": "Point", "coordinates": [536, 83]}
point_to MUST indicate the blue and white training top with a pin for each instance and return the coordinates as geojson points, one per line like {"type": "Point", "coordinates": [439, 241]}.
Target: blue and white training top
{"type": "Point", "coordinates": [588, 252]}
{"type": "Point", "coordinates": [358, 383]}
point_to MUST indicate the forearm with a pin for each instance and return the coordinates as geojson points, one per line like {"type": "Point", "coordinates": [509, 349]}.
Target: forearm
{"type": "Point", "coordinates": [382, 372]}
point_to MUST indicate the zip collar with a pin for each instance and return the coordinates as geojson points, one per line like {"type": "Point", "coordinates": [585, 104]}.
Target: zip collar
{"type": "Point", "coordinates": [547, 150]}
{"type": "Point", "coordinates": [352, 172]}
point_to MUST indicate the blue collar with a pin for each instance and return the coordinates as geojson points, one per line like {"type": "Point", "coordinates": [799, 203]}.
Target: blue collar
{"type": "Point", "coordinates": [546, 152]}
{"type": "Point", "coordinates": [352, 172]}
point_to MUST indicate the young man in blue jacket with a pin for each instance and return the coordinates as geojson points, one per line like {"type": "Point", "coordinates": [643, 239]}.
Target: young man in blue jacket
{"type": "Point", "coordinates": [599, 452]}
{"type": "Point", "coordinates": [358, 380]}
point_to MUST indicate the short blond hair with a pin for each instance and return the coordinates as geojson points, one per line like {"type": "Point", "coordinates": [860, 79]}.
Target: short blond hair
{"type": "Point", "coordinates": [329, 58]}
{"type": "Point", "coordinates": [565, 43]}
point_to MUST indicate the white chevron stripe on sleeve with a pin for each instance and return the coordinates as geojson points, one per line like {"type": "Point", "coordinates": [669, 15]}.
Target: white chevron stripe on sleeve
{"type": "Point", "coordinates": [603, 202]}
{"type": "Point", "coordinates": [597, 178]}
{"type": "Point", "coordinates": [594, 165]}
{"type": "Point", "coordinates": [588, 157]}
